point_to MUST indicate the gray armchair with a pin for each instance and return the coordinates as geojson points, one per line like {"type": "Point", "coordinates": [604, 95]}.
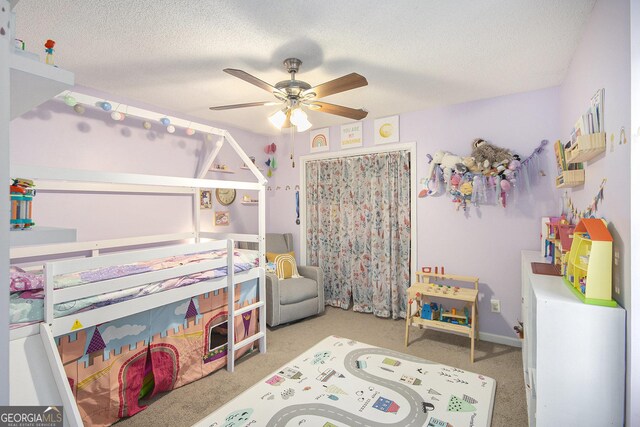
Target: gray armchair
{"type": "Point", "coordinates": [294, 298]}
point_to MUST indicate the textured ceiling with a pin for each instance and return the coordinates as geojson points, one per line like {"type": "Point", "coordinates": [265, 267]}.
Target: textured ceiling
{"type": "Point", "coordinates": [415, 54]}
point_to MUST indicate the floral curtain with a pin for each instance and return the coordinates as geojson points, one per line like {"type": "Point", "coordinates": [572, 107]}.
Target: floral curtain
{"type": "Point", "coordinates": [359, 230]}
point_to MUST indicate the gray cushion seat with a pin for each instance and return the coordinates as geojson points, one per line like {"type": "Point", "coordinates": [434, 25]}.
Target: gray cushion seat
{"type": "Point", "coordinates": [293, 291]}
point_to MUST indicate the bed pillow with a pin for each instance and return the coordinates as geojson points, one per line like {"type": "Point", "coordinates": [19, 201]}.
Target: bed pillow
{"type": "Point", "coordinates": [24, 281]}
{"type": "Point", "coordinates": [285, 265]}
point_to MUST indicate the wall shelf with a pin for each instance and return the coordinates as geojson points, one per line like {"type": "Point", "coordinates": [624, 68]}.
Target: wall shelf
{"type": "Point", "coordinates": [247, 168]}
{"type": "Point", "coordinates": [251, 203]}
{"type": "Point", "coordinates": [586, 148]}
{"type": "Point", "coordinates": [34, 82]}
{"type": "Point", "coordinates": [42, 236]}
{"type": "Point", "coordinates": [570, 179]}
{"type": "Point", "coordinates": [221, 170]}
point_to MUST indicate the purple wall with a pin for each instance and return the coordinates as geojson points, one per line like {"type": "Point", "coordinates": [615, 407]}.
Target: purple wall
{"type": "Point", "coordinates": [487, 241]}
{"type": "Point", "coordinates": [602, 60]}
{"type": "Point", "coordinates": [54, 135]}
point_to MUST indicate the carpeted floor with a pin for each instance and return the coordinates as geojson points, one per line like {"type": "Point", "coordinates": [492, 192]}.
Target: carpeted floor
{"type": "Point", "coordinates": [188, 404]}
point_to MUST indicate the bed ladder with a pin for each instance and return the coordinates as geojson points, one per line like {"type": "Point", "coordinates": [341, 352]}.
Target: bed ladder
{"type": "Point", "coordinates": [260, 305]}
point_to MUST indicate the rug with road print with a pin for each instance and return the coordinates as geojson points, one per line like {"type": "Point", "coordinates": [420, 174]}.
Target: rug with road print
{"type": "Point", "coordinates": [345, 383]}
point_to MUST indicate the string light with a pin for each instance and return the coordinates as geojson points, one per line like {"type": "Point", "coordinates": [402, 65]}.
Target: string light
{"type": "Point", "coordinates": [79, 101]}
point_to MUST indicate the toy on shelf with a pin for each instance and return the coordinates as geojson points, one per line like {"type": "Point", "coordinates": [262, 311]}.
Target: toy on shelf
{"type": "Point", "coordinates": [588, 271]}
{"type": "Point", "coordinates": [21, 192]}
{"type": "Point", "coordinates": [455, 318]}
{"type": "Point", "coordinates": [430, 311]}
{"type": "Point", "coordinates": [423, 312]}
{"type": "Point", "coordinates": [49, 44]}
{"type": "Point", "coordinates": [556, 238]}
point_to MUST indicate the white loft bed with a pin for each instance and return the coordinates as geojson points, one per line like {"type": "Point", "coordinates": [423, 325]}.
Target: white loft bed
{"type": "Point", "coordinates": [50, 179]}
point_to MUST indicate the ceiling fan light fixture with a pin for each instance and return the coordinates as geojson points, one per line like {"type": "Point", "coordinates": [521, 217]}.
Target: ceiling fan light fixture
{"type": "Point", "coordinates": [278, 118]}
{"type": "Point", "coordinates": [297, 115]}
{"type": "Point", "coordinates": [299, 120]}
{"type": "Point", "coordinates": [301, 127]}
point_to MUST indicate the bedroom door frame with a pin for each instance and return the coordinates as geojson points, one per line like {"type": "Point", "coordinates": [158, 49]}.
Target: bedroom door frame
{"type": "Point", "coordinates": [405, 146]}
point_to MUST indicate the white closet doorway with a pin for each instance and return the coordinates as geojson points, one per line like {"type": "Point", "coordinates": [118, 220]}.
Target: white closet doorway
{"type": "Point", "coordinates": [358, 216]}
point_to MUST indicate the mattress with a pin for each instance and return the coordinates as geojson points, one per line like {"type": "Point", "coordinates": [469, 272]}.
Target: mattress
{"type": "Point", "coordinates": [27, 293]}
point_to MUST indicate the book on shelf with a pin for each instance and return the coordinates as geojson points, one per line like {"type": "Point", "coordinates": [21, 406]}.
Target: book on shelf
{"type": "Point", "coordinates": [561, 161]}
{"type": "Point", "coordinates": [597, 110]}
{"type": "Point", "coordinates": [592, 121]}
{"type": "Point", "coordinates": [575, 166]}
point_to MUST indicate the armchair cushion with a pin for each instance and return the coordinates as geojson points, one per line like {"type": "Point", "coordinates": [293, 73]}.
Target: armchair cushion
{"type": "Point", "coordinates": [296, 290]}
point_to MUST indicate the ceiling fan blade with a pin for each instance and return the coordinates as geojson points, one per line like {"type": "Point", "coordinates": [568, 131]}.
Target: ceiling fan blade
{"type": "Point", "coordinates": [338, 110]}
{"type": "Point", "coordinates": [341, 84]}
{"type": "Point", "coordinates": [252, 79]}
{"type": "Point", "coordinates": [248, 104]}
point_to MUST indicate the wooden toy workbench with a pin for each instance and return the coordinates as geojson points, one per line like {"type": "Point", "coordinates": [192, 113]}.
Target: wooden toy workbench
{"type": "Point", "coordinates": [424, 289]}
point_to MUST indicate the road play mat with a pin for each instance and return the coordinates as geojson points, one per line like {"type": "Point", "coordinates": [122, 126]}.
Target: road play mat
{"type": "Point", "coordinates": [345, 383]}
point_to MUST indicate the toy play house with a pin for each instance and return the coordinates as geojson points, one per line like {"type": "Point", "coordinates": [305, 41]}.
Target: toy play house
{"type": "Point", "coordinates": [589, 264]}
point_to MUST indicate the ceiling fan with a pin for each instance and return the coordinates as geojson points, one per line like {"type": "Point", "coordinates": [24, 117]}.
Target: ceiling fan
{"type": "Point", "coordinates": [294, 94]}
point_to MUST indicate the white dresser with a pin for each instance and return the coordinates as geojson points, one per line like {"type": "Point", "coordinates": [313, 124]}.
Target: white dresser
{"type": "Point", "coordinates": [573, 354]}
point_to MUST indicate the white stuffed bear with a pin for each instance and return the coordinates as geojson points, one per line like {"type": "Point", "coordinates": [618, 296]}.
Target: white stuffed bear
{"type": "Point", "coordinates": [447, 163]}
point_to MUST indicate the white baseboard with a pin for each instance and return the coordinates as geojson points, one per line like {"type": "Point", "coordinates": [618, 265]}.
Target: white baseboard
{"type": "Point", "coordinates": [500, 339]}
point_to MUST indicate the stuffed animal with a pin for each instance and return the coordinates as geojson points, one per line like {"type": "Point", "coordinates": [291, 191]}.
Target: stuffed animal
{"type": "Point", "coordinates": [447, 163]}
{"type": "Point", "coordinates": [488, 155]}
{"type": "Point", "coordinates": [471, 164]}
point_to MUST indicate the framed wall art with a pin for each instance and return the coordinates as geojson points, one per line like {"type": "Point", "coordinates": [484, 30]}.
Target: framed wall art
{"type": "Point", "coordinates": [351, 135]}
{"type": "Point", "coordinates": [386, 130]}
{"type": "Point", "coordinates": [319, 140]}
{"type": "Point", "coordinates": [221, 218]}
{"type": "Point", "coordinates": [205, 199]}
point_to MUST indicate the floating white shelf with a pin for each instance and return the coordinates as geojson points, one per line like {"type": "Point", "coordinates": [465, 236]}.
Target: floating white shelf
{"type": "Point", "coordinates": [247, 168]}
{"type": "Point", "coordinates": [249, 203]}
{"type": "Point", "coordinates": [34, 82]}
{"type": "Point", "coordinates": [42, 236]}
{"type": "Point", "coordinates": [221, 170]}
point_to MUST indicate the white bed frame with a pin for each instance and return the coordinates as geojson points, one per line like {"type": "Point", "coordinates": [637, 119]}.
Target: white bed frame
{"type": "Point", "coordinates": [50, 179]}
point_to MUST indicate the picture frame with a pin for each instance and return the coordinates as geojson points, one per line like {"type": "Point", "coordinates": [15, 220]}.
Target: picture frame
{"type": "Point", "coordinates": [205, 199]}
{"type": "Point", "coordinates": [351, 135]}
{"type": "Point", "coordinates": [221, 218]}
{"type": "Point", "coordinates": [386, 130]}
{"type": "Point", "coordinates": [319, 140]}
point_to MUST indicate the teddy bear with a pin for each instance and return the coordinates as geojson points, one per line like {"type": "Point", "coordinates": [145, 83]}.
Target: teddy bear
{"type": "Point", "coordinates": [490, 156]}
{"type": "Point", "coordinates": [471, 164]}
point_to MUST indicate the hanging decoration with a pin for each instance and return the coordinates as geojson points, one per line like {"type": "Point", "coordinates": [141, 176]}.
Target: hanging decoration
{"type": "Point", "coordinates": [297, 207]}
{"type": "Point", "coordinates": [490, 174]}
{"type": "Point", "coordinates": [271, 163]}
{"type": "Point", "coordinates": [591, 210]}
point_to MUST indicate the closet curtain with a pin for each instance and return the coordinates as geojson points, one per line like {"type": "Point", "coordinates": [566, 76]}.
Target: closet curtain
{"type": "Point", "coordinates": [359, 230]}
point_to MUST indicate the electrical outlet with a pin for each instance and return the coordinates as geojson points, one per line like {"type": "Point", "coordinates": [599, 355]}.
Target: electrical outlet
{"type": "Point", "coordinates": [495, 305]}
